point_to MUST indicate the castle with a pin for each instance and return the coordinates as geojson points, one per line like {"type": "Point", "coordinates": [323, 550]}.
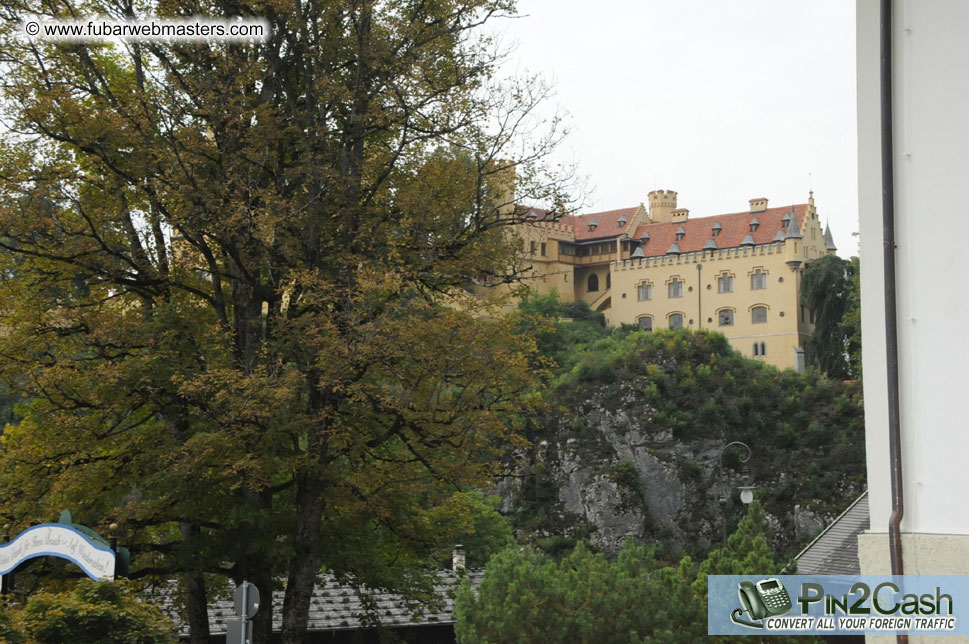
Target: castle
{"type": "Point", "coordinates": [736, 273]}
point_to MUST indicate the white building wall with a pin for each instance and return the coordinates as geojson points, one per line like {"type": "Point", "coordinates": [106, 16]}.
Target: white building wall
{"type": "Point", "coordinates": [932, 229]}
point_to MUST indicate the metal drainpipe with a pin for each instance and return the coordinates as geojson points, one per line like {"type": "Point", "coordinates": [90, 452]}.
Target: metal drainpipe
{"type": "Point", "coordinates": [891, 322]}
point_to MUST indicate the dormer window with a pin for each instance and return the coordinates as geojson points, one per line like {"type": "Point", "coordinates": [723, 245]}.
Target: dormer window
{"type": "Point", "coordinates": [754, 223]}
{"type": "Point", "coordinates": [680, 232]}
{"type": "Point", "coordinates": [785, 221]}
{"type": "Point", "coordinates": [644, 239]}
{"type": "Point", "coordinates": [621, 221]}
{"type": "Point", "coordinates": [593, 224]}
{"type": "Point", "coordinates": [716, 229]}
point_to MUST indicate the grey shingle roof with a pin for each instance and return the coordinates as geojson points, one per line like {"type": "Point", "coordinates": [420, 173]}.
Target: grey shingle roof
{"type": "Point", "coordinates": [334, 607]}
{"type": "Point", "coordinates": [828, 239]}
{"type": "Point", "coordinates": [835, 550]}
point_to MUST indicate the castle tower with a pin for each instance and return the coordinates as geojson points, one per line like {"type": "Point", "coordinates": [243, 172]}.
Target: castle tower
{"type": "Point", "coordinates": [662, 203]}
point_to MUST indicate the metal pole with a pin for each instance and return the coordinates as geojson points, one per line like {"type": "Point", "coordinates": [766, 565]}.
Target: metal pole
{"type": "Point", "coordinates": [245, 615]}
{"type": "Point", "coordinates": [743, 459]}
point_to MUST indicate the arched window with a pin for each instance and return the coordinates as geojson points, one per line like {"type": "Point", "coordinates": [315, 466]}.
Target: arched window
{"type": "Point", "coordinates": [758, 280]}
{"type": "Point", "coordinates": [725, 283]}
{"type": "Point", "coordinates": [608, 280]}
{"type": "Point", "coordinates": [676, 320]}
{"type": "Point", "coordinates": [675, 288]}
{"type": "Point", "coordinates": [763, 348]}
{"type": "Point", "coordinates": [644, 291]}
{"type": "Point", "coordinates": [725, 316]}
{"type": "Point", "coordinates": [645, 323]}
{"type": "Point", "coordinates": [756, 349]}
{"type": "Point", "coordinates": [593, 282]}
{"type": "Point", "coordinates": [758, 314]}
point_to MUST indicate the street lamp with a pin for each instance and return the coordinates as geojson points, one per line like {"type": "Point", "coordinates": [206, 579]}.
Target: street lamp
{"type": "Point", "coordinates": [746, 490]}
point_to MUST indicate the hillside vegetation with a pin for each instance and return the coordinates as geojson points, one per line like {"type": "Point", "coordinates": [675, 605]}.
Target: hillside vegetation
{"type": "Point", "coordinates": [630, 442]}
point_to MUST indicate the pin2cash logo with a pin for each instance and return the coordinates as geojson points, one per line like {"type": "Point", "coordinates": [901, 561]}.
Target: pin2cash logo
{"type": "Point", "coordinates": [765, 598]}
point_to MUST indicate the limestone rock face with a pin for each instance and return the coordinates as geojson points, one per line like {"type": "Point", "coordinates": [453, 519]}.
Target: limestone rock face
{"type": "Point", "coordinates": [605, 474]}
{"type": "Point", "coordinates": [606, 471]}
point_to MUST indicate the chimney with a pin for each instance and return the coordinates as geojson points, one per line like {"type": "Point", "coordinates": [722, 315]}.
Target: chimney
{"type": "Point", "coordinates": [758, 205]}
{"type": "Point", "coordinates": [662, 203]}
{"type": "Point", "coordinates": [458, 559]}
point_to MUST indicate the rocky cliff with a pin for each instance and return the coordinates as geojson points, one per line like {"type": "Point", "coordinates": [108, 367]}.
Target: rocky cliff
{"type": "Point", "coordinates": [630, 446]}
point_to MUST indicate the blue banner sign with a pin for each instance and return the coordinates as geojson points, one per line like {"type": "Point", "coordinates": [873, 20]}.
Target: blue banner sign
{"type": "Point", "coordinates": [838, 605]}
{"type": "Point", "coordinates": [58, 540]}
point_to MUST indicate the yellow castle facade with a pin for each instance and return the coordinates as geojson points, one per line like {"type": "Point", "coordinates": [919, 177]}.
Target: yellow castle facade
{"type": "Point", "coordinates": [737, 273]}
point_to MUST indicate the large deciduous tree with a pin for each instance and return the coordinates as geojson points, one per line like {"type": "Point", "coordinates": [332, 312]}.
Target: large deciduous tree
{"type": "Point", "coordinates": [235, 285]}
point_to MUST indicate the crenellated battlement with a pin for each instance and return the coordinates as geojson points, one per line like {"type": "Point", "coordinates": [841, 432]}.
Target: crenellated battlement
{"type": "Point", "coordinates": [702, 256]}
{"type": "Point", "coordinates": [662, 203]}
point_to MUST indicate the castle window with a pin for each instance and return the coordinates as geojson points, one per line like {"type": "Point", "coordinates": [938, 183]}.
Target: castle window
{"type": "Point", "coordinates": [758, 280]}
{"type": "Point", "coordinates": [758, 314]}
{"type": "Point", "coordinates": [543, 249]}
{"type": "Point", "coordinates": [608, 280]}
{"type": "Point", "coordinates": [726, 317]}
{"type": "Point", "coordinates": [645, 323]}
{"type": "Point", "coordinates": [725, 283]}
{"type": "Point", "coordinates": [644, 291]}
{"type": "Point", "coordinates": [763, 348]}
{"type": "Point", "coordinates": [593, 283]}
{"type": "Point", "coordinates": [533, 246]}
{"type": "Point", "coordinates": [675, 288]}
{"type": "Point", "coordinates": [676, 320]}
{"type": "Point", "coordinates": [756, 349]}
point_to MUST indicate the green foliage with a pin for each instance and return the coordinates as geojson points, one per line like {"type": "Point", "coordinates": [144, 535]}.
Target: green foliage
{"type": "Point", "coordinates": [830, 289]}
{"type": "Point", "coordinates": [490, 531]}
{"type": "Point", "coordinates": [560, 328]}
{"type": "Point", "coordinates": [747, 553]}
{"type": "Point", "coordinates": [92, 613]}
{"type": "Point", "coordinates": [236, 286]}
{"type": "Point", "coordinates": [582, 599]}
{"type": "Point", "coordinates": [851, 321]}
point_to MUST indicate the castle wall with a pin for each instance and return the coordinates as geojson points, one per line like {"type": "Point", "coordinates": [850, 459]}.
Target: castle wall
{"type": "Point", "coordinates": [778, 337]}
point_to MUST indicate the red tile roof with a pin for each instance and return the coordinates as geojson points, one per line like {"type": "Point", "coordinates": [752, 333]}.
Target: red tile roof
{"type": "Point", "coordinates": [735, 228]}
{"type": "Point", "coordinates": [608, 223]}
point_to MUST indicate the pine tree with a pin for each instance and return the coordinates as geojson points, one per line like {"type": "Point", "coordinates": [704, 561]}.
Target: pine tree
{"type": "Point", "coordinates": [582, 599]}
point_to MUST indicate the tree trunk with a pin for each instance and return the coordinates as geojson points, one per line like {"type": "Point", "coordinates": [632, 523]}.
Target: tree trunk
{"type": "Point", "coordinates": [196, 604]}
{"type": "Point", "coordinates": [304, 565]}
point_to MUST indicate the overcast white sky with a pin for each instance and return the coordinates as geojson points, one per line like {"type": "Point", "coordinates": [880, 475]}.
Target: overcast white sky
{"type": "Point", "coordinates": [721, 101]}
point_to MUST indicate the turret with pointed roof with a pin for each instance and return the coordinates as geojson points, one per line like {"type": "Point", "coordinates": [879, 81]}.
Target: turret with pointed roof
{"type": "Point", "coordinates": [828, 238]}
